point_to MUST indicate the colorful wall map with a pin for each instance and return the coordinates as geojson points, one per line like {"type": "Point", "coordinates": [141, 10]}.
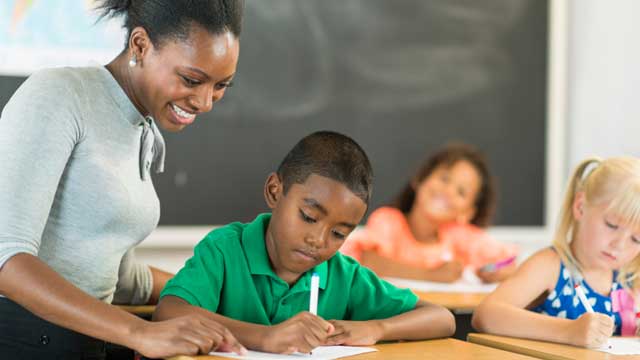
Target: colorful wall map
{"type": "Point", "coordinates": [35, 34]}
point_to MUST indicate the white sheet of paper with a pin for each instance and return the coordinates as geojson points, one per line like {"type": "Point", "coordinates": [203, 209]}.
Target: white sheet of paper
{"type": "Point", "coordinates": [468, 283]}
{"type": "Point", "coordinates": [319, 353]}
{"type": "Point", "coordinates": [622, 346]}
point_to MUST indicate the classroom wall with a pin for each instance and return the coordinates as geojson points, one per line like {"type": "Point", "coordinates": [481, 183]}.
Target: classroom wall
{"type": "Point", "coordinates": [602, 114]}
{"type": "Point", "coordinates": [603, 78]}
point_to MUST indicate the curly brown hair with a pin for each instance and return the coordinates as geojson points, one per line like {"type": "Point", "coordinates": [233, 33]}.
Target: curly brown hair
{"type": "Point", "coordinates": [485, 201]}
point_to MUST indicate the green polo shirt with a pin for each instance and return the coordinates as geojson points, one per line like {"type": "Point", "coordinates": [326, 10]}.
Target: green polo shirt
{"type": "Point", "coordinates": [230, 274]}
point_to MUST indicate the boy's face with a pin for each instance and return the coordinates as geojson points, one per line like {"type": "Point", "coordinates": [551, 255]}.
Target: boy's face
{"type": "Point", "coordinates": [308, 224]}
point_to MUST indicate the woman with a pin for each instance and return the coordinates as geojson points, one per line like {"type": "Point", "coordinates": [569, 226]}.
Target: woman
{"type": "Point", "coordinates": [77, 146]}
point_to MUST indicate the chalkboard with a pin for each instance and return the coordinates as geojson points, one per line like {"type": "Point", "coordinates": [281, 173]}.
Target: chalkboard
{"type": "Point", "coordinates": [402, 77]}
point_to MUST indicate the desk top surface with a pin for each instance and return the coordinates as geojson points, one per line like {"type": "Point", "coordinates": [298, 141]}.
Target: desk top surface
{"type": "Point", "coordinates": [465, 302]}
{"type": "Point", "coordinates": [543, 349]}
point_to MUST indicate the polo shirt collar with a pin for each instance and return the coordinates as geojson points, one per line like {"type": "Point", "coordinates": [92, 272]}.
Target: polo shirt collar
{"type": "Point", "coordinates": [255, 250]}
{"type": "Point", "coordinates": [254, 246]}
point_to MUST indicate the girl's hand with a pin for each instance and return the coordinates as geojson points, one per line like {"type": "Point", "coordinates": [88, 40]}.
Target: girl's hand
{"type": "Point", "coordinates": [591, 330]}
{"type": "Point", "coordinates": [448, 272]}
{"type": "Point", "coordinates": [355, 332]}
{"type": "Point", "coordinates": [186, 335]}
{"type": "Point", "coordinates": [498, 275]}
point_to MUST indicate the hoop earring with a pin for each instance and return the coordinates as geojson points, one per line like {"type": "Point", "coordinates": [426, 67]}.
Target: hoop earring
{"type": "Point", "coordinates": [133, 61]}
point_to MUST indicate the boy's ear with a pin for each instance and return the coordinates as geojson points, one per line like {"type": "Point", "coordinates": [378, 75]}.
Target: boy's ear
{"type": "Point", "coordinates": [273, 190]}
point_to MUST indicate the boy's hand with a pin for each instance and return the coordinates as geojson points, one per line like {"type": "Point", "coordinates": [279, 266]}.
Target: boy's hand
{"type": "Point", "coordinates": [302, 333]}
{"type": "Point", "coordinates": [355, 332]}
{"type": "Point", "coordinates": [591, 330]}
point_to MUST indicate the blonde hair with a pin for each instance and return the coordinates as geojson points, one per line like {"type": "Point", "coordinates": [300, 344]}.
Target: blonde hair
{"type": "Point", "coordinates": [615, 181]}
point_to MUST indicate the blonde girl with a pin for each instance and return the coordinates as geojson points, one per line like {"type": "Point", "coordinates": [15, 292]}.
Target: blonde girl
{"type": "Point", "coordinates": [595, 248]}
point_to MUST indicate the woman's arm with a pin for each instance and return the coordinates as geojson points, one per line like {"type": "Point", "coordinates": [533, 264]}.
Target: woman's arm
{"type": "Point", "coordinates": [29, 282]}
{"type": "Point", "coordinates": [303, 332]}
{"type": "Point", "coordinates": [249, 334]}
{"type": "Point", "coordinates": [386, 267]}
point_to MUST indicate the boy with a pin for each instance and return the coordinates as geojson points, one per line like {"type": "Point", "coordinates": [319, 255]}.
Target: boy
{"type": "Point", "coordinates": [254, 278]}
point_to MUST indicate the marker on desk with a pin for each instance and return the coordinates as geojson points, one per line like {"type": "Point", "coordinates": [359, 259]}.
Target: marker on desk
{"type": "Point", "coordinates": [498, 265]}
{"type": "Point", "coordinates": [313, 296]}
{"type": "Point", "coordinates": [585, 302]}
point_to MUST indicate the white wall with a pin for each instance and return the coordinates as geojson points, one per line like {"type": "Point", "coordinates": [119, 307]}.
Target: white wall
{"type": "Point", "coordinates": [603, 79]}
{"type": "Point", "coordinates": [593, 110]}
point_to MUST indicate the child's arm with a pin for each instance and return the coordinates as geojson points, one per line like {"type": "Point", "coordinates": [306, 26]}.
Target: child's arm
{"type": "Point", "coordinates": [504, 312]}
{"type": "Point", "coordinates": [383, 266]}
{"type": "Point", "coordinates": [301, 333]}
{"type": "Point", "coordinates": [426, 321]}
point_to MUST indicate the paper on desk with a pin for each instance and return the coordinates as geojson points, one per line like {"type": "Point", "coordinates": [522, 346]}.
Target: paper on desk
{"type": "Point", "coordinates": [468, 283]}
{"type": "Point", "coordinates": [319, 353]}
{"type": "Point", "coordinates": [622, 346]}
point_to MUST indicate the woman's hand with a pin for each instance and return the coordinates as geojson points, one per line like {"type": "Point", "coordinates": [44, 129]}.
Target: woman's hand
{"type": "Point", "coordinates": [186, 335]}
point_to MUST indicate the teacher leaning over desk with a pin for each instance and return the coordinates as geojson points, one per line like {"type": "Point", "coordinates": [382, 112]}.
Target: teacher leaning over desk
{"type": "Point", "coordinates": [78, 147]}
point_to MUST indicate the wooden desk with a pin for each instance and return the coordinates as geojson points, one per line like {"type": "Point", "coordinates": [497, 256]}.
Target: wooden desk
{"type": "Point", "coordinates": [457, 302]}
{"type": "Point", "coordinates": [542, 349]}
{"type": "Point", "coordinates": [442, 349]}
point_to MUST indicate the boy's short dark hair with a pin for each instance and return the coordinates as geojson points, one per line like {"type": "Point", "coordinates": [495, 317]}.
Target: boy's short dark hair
{"type": "Point", "coordinates": [332, 155]}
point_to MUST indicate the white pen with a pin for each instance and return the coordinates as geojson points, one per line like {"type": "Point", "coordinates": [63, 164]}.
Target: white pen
{"type": "Point", "coordinates": [585, 302]}
{"type": "Point", "coordinates": [313, 297]}
{"type": "Point", "coordinates": [583, 298]}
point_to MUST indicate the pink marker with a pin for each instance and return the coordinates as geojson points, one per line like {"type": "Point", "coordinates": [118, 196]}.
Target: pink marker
{"type": "Point", "coordinates": [498, 265]}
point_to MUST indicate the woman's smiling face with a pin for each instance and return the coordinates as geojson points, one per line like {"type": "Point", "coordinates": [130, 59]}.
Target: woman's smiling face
{"type": "Point", "coordinates": [184, 77]}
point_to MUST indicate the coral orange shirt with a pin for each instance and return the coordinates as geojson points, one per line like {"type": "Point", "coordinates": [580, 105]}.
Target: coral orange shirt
{"type": "Point", "coordinates": [388, 234]}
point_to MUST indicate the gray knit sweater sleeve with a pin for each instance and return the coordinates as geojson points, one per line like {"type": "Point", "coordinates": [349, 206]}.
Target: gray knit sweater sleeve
{"type": "Point", "coordinates": [71, 192]}
{"type": "Point", "coordinates": [36, 141]}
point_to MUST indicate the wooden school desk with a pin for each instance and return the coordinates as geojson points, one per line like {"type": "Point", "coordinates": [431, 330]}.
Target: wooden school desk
{"type": "Point", "coordinates": [459, 303]}
{"type": "Point", "coordinates": [543, 349]}
{"type": "Point", "coordinates": [442, 349]}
